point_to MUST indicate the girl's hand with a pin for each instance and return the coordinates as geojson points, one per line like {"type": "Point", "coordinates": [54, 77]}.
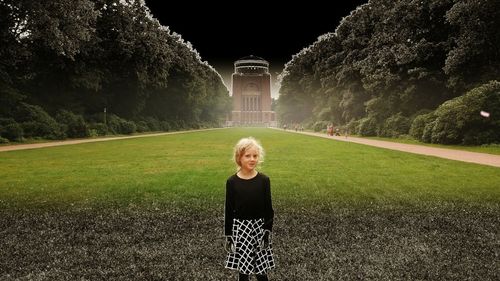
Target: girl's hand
{"type": "Point", "coordinates": [265, 239]}
{"type": "Point", "coordinates": [229, 245]}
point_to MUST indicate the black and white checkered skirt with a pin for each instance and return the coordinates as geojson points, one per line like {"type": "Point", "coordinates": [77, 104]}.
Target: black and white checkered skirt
{"type": "Point", "coordinates": [247, 256]}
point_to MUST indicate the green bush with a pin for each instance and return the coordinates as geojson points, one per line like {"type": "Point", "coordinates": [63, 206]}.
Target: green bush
{"type": "Point", "coordinates": [93, 133]}
{"type": "Point", "coordinates": [458, 121]}
{"type": "Point", "coordinates": [127, 127]}
{"type": "Point", "coordinates": [308, 124]}
{"type": "Point", "coordinates": [74, 125]}
{"type": "Point", "coordinates": [427, 133]}
{"type": "Point", "coordinates": [447, 127]}
{"type": "Point", "coordinates": [367, 127]}
{"type": "Point", "coordinates": [114, 124]}
{"type": "Point", "coordinates": [418, 126]}
{"type": "Point", "coordinates": [13, 132]}
{"type": "Point", "coordinates": [165, 126]}
{"type": "Point", "coordinates": [4, 122]}
{"type": "Point", "coordinates": [153, 124]}
{"type": "Point", "coordinates": [100, 129]}
{"type": "Point", "coordinates": [481, 137]}
{"type": "Point", "coordinates": [194, 125]}
{"type": "Point", "coordinates": [4, 140]}
{"type": "Point", "coordinates": [37, 123]}
{"type": "Point", "coordinates": [395, 126]}
{"type": "Point", "coordinates": [212, 124]}
{"type": "Point", "coordinates": [142, 126]}
{"type": "Point", "coordinates": [352, 127]}
{"type": "Point", "coordinates": [320, 125]}
{"type": "Point", "coordinates": [178, 125]}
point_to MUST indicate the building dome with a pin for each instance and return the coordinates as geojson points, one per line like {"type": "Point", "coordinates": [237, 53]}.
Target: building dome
{"type": "Point", "coordinates": [251, 65]}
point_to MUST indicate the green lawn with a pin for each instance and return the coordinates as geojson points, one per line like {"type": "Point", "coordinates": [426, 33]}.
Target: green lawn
{"type": "Point", "coordinates": [304, 170]}
{"type": "Point", "coordinates": [152, 209]}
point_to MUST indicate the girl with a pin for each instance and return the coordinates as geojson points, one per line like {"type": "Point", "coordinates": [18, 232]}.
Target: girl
{"type": "Point", "coordinates": [249, 214]}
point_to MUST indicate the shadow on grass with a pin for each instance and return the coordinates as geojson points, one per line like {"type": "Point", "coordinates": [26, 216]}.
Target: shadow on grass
{"type": "Point", "coordinates": [163, 243]}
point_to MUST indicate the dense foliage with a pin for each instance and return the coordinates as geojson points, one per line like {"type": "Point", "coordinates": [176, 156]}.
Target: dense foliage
{"type": "Point", "coordinates": [389, 62]}
{"type": "Point", "coordinates": [64, 62]}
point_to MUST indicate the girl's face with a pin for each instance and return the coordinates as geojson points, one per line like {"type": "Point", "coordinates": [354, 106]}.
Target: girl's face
{"type": "Point", "coordinates": [249, 159]}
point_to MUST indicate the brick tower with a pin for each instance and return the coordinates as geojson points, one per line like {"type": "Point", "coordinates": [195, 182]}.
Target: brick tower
{"type": "Point", "coordinates": [251, 93]}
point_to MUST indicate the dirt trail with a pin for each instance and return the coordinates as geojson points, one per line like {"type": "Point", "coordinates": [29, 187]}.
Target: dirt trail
{"type": "Point", "coordinates": [67, 142]}
{"type": "Point", "coordinates": [453, 154]}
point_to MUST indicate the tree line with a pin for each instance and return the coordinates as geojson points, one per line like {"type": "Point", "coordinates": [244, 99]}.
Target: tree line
{"type": "Point", "coordinates": [406, 67]}
{"type": "Point", "coordinates": [74, 68]}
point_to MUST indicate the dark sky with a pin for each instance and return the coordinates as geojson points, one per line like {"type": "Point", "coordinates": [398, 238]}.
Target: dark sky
{"type": "Point", "coordinates": [223, 33]}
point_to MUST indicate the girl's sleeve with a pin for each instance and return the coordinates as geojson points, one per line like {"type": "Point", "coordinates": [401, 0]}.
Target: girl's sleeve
{"type": "Point", "coordinates": [269, 212]}
{"type": "Point", "coordinates": [228, 210]}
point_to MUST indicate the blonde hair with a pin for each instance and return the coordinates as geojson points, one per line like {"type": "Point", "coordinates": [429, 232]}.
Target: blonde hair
{"type": "Point", "coordinates": [245, 144]}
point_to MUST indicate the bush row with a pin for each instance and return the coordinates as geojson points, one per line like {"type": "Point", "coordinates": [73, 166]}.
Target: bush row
{"type": "Point", "coordinates": [32, 121]}
{"type": "Point", "coordinates": [457, 121]}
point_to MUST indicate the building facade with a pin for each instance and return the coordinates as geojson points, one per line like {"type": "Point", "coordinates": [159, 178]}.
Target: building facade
{"type": "Point", "coordinates": [251, 93]}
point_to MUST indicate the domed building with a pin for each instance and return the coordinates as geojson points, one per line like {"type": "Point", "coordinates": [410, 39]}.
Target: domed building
{"type": "Point", "coordinates": [251, 93]}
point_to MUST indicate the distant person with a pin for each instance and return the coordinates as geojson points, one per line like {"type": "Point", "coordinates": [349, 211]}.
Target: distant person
{"type": "Point", "coordinates": [284, 127]}
{"type": "Point", "coordinates": [249, 214]}
{"type": "Point", "coordinates": [329, 130]}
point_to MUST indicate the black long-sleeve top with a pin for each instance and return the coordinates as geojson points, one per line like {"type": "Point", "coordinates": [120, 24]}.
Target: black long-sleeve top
{"type": "Point", "coordinates": [248, 199]}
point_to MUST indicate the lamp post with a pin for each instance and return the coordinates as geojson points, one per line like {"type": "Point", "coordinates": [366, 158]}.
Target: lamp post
{"type": "Point", "coordinates": [105, 123]}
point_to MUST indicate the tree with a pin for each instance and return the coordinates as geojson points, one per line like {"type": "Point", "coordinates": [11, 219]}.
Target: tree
{"type": "Point", "coordinates": [475, 56]}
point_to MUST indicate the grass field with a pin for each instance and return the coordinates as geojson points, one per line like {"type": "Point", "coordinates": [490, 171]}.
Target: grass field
{"type": "Point", "coordinates": [152, 209]}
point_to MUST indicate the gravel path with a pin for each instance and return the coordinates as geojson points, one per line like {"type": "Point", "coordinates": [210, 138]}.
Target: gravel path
{"type": "Point", "coordinates": [77, 141]}
{"type": "Point", "coordinates": [453, 154]}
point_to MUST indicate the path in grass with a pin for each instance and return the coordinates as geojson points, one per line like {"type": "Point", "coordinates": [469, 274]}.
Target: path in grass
{"type": "Point", "coordinates": [459, 155]}
{"type": "Point", "coordinates": [77, 141]}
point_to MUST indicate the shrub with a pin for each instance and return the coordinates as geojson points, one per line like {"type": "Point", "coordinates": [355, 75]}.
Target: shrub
{"type": "Point", "coordinates": [100, 129]}
{"type": "Point", "coordinates": [178, 125]}
{"type": "Point", "coordinates": [165, 126]}
{"type": "Point", "coordinates": [427, 133]}
{"type": "Point", "coordinates": [37, 123]}
{"type": "Point", "coordinates": [142, 126]}
{"type": "Point", "coordinates": [447, 129]}
{"type": "Point", "coordinates": [320, 125]}
{"type": "Point", "coordinates": [395, 125]}
{"type": "Point", "coordinates": [367, 127]}
{"type": "Point", "coordinates": [74, 125]}
{"type": "Point", "coordinates": [114, 124]}
{"type": "Point", "coordinates": [93, 133]}
{"type": "Point", "coordinates": [127, 127]}
{"type": "Point", "coordinates": [418, 125]}
{"type": "Point", "coordinates": [13, 132]}
{"type": "Point", "coordinates": [352, 127]}
{"type": "Point", "coordinates": [194, 125]}
{"type": "Point", "coordinates": [4, 140]}
{"type": "Point", "coordinates": [308, 124]}
{"type": "Point", "coordinates": [153, 124]}
{"type": "Point", "coordinates": [459, 120]}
